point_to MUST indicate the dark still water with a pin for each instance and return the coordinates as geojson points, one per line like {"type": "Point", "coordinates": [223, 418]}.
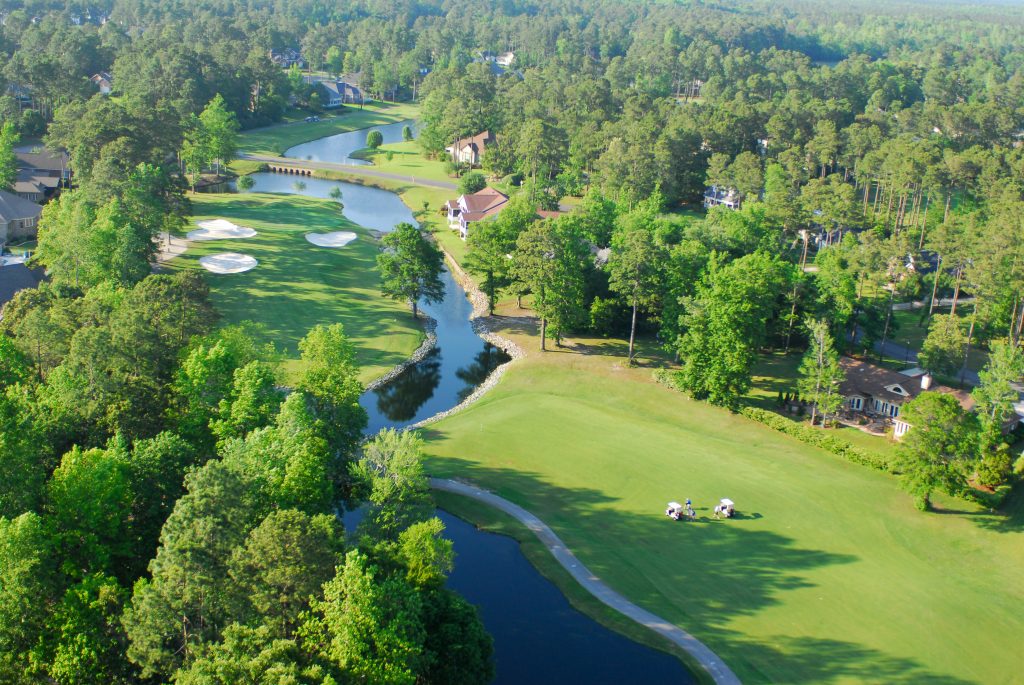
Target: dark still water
{"type": "Point", "coordinates": [538, 637]}
{"type": "Point", "coordinates": [449, 374]}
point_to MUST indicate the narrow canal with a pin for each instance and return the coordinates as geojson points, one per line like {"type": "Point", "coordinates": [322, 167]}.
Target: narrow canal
{"type": "Point", "coordinates": [538, 637]}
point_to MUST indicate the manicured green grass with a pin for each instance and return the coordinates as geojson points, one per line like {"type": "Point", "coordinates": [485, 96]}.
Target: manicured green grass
{"type": "Point", "coordinates": [274, 140]}
{"type": "Point", "coordinates": [828, 576]}
{"type": "Point", "coordinates": [407, 159]}
{"type": "Point", "coordinates": [298, 285]}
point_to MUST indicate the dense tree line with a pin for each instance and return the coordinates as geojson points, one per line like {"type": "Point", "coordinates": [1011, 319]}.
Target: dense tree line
{"type": "Point", "coordinates": [167, 511]}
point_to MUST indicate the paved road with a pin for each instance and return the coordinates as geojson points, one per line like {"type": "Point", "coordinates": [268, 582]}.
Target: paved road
{"type": "Point", "coordinates": [362, 170]}
{"type": "Point", "coordinates": [708, 659]}
{"type": "Point", "coordinates": [894, 350]}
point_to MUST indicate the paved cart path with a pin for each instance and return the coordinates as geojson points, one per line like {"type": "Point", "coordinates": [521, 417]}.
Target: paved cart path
{"type": "Point", "coordinates": [697, 649]}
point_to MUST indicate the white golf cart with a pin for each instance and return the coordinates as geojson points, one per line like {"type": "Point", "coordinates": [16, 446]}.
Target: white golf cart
{"type": "Point", "coordinates": [675, 511]}
{"type": "Point", "coordinates": [725, 509]}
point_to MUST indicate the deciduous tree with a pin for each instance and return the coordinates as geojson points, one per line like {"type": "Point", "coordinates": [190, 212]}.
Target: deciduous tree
{"type": "Point", "coordinates": [410, 267]}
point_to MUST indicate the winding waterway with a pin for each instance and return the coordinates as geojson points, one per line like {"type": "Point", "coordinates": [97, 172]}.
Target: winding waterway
{"type": "Point", "coordinates": [538, 637]}
{"type": "Point", "coordinates": [339, 147]}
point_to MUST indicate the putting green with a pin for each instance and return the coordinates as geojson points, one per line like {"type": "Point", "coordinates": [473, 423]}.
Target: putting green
{"type": "Point", "coordinates": [297, 285]}
{"type": "Point", "coordinates": [828, 575]}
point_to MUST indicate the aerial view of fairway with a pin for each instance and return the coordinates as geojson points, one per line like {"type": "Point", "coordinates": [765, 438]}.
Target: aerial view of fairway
{"type": "Point", "coordinates": [828, 574]}
{"type": "Point", "coordinates": [297, 285]}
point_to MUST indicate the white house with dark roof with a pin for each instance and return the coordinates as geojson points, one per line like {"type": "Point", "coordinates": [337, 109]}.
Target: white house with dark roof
{"type": "Point", "coordinates": [470, 150]}
{"type": "Point", "coordinates": [103, 81]}
{"type": "Point", "coordinates": [714, 196]}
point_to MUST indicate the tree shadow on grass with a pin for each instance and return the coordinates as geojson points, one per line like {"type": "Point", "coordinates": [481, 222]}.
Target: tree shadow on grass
{"type": "Point", "coordinates": [817, 660]}
{"type": "Point", "coordinates": [1009, 518]}
{"type": "Point", "coordinates": [712, 573]}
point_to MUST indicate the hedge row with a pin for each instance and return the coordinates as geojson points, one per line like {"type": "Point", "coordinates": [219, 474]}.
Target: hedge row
{"type": "Point", "coordinates": [835, 445]}
{"type": "Point", "coordinates": [818, 438]}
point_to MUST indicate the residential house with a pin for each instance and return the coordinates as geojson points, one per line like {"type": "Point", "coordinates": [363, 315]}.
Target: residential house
{"type": "Point", "coordinates": [470, 150]}
{"type": "Point", "coordinates": [103, 81]}
{"type": "Point", "coordinates": [14, 276]}
{"type": "Point", "coordinates": [287, 57]}
{"type": "Point", "coordinates": [715, 196]}
{"type": "Point", "coordinates": [44, 163]}
{"type": "Point", "coordinates": [34, 187]}
{"type": "Point", "coordinates": [470, 208]}
{"type": "Point", "coordinates": [18, 218]}
{"type": "Point", "coordinates": [875, 392]}
{"type": "Point", "coordinates": [505, 59]}
{"type": "Point", "coordinates": [338, 93]}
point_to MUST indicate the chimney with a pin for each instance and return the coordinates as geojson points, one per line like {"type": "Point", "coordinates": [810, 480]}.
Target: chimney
{"type": "Point", "coordinates": [926, 381]}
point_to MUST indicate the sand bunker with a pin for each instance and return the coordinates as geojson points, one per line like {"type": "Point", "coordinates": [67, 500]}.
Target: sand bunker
{"type": "Point", "coordinates": [336, 239]}
{"type": "Point", "coordinates": [228, 263]}
{"type": "Point", "coordinates": [219, 229]}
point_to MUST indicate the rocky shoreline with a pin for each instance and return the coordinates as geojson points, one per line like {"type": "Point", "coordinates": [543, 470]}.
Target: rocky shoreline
{"type": "Point", "coordinates": [428, 344]}
{"type": "Point", "coordinates": [481, 322]}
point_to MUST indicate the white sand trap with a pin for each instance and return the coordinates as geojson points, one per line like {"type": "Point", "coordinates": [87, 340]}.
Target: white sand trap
{"type": "Point", "coordinates": [336, 239]}
{"type": "Point", "coordinates": [219, 229]}
{"type": "Point", "coordinates": [228, 263]}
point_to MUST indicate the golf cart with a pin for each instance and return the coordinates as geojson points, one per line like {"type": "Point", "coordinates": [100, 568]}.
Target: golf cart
{"type": "Point", "coordinates": [725, 508]}
{"type": "Point", "coordinates": [675, 511]}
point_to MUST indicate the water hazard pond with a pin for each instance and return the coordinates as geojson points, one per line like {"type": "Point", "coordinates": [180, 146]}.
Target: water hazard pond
{"type": "Point", "coordinates": [338, 147]}
{"type": "Point", "coordinates": [538, 637]}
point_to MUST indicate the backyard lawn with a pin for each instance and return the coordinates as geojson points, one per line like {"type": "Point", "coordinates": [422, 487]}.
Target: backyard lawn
{"type": "Point", "coordinates": [297, 285]}
{"type": "Point", "coordinates": [274, 140]}
{"type": "Point", "coordinates": [777, 372]}
{"type": "Point", "coordinates": [827, 576]}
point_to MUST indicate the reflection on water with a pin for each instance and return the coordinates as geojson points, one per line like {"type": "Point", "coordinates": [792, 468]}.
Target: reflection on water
{"type": "Point", "coordinates": [399, 399]}
{"type": "Point", "coordinates": [486, 360]}
{"type": "Point", "coordinates": [337, 148]}
{"type": "Point", "coordinates": [454, 369]}
{"type": "Point", "coordinates": [539, 638]}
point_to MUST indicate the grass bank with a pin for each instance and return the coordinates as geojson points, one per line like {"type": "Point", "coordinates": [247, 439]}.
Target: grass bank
{"type": "Point", "coordinates": [297, 285]}
{"type": "Point", "coordinates": [274, 140]}
{"type": "Point", "coordinates": [827, 576]}
{"type": "Point", "coordinates": [406, 159]}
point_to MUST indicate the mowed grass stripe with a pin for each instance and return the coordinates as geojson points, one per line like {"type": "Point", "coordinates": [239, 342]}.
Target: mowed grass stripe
{"type": "Point", "coordinates": [298, 285]}
{"type": "Point", "coordinates": [828, 576]}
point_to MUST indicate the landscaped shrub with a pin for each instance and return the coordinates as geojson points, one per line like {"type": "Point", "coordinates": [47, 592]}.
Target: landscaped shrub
{"type": "Point", "coordinates": [818, 438]}
{"type": "Point", "coordinates": [472, 182]}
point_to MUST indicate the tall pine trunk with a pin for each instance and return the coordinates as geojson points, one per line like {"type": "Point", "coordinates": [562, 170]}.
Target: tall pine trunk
{"type": "Point", "coordinates": [632, 334]}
